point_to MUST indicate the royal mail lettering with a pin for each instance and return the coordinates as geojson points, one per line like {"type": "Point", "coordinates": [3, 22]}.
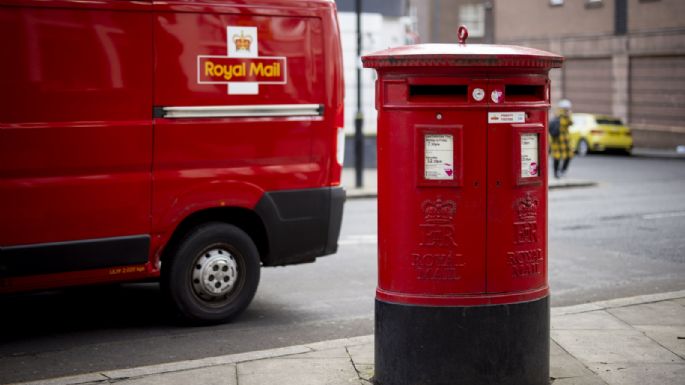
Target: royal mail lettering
{"type": "Point", "coordinates": [437, 266]}
{"type": "Point", "coordinates": [525, 263]}
{"type": "Point", "coordinates": [224, 70]}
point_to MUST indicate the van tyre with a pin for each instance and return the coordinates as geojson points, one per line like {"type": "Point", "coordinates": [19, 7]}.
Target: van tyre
{"type": "Point", "coordinates": [213, 274]}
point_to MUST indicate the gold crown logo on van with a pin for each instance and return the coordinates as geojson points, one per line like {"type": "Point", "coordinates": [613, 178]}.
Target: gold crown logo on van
{"type": "Point", "coordinates": [242, 42]}
{"type": "Point", "coordinates": [242, 69]}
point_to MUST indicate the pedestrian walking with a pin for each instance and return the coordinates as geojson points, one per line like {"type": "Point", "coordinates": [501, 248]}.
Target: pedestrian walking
{"type": "Point", "coordinates": [558, 130]}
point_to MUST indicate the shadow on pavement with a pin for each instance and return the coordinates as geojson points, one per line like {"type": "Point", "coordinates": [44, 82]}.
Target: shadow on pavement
{"type": "Point", "coordinates": [84, 308]}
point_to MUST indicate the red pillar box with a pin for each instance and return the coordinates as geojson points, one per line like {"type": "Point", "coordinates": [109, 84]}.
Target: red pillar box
{"type": "Point", "coordinates": [462, 293]}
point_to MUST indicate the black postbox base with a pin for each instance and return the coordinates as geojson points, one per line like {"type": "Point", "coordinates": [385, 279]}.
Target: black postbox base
{"type": "Point", "coordinates": [494, 344]}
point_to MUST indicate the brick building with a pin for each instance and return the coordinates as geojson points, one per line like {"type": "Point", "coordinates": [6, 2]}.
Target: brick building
{"type": "Point", "coordinates": [623, 57]}
{"type": "Point", "coordinates": [438, 20]}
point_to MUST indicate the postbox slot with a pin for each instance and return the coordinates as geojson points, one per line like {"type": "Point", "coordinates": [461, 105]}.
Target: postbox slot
{"type": "Point", "coordinates": [524, 92]}
{"type": "Point", "coordinates": [442, 91]}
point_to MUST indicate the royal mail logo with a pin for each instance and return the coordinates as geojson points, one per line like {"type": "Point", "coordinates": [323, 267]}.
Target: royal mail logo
{"type": "Point", "coordinates": [242, 42]}
{"type": "Point", "coordinates": [242, 69]}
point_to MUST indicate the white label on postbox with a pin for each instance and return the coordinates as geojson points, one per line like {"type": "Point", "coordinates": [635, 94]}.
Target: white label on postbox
{"type": "Point", "coordinates": [506, 117]}
{"type": "Point", "coordinates": [530, 166]}
{"type": "Point", "coordinates": [439, 157]}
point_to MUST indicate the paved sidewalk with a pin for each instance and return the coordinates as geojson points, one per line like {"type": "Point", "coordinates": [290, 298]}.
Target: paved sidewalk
{"type": "Point", "coordinates": [673, 153]}
{"type": "Point", "coordinates": [636, 340]}
{"type": "Point", "coordinates": [370, 183]}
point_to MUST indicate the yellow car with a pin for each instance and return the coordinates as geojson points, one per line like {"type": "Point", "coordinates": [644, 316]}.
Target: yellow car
{"type": "Point", "coordinates": [591, 132]}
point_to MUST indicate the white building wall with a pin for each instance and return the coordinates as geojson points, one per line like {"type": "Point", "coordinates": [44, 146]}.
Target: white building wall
{"type": "Point", "coordinates": [378, 33]}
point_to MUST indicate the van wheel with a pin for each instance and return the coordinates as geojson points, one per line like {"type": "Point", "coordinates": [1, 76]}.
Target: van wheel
{"type": "Point", "coordinates": [213, 274]}
{"type": "Point", "coordinates": [583, 148]}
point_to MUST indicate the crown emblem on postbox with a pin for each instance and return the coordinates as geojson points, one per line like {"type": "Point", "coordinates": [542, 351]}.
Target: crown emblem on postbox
{"type": "Point", "coordinates": [527, 208]}
{"type": "Point", "coordinates": [242, 42]}
{"type": "Point", "coordinates": [438, 211]}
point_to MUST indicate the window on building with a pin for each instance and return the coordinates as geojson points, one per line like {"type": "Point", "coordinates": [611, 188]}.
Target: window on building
{"type": "Point", "coordinates": [556, 3]}
{"type": "Point", "coordinates": [594, 3]}
{"type": "Point", "coordinates": [473, 17]}
{"type": "Point", "coordinates": [621, 17]}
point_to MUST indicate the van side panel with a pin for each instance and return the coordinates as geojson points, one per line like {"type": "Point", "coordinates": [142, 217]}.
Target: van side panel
{"type": "Point", "coordinates": [75, 135]}
{"type": "Point", "coordinates": [218, 161]}
{"type": "Point", "coordinates": [325, 141]}
{"type": "Point", "coordinates": [100, 160]}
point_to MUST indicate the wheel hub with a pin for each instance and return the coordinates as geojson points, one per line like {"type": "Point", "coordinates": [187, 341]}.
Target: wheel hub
{"type": "Point", "coordinates": [215, 274]}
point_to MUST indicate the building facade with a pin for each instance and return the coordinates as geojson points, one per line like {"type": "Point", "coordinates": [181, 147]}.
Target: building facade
{"type": "Point", "coordinates": [437, 21]}
{"type": "Point", "coordinates": [623, 57]}
{"type": "Point", "coordinates": [384, 25]}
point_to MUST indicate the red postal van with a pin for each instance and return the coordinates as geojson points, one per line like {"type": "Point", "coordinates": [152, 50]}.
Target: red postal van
{"type": "Point", "coordinates": [188, 141]}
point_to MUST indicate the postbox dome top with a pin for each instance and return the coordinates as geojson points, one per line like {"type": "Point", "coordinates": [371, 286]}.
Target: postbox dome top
{"type": "Point", "coordinates": [462, 55]}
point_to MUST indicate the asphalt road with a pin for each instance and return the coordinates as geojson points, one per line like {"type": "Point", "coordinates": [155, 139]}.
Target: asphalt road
{"type": "Point", "coordinates": [623, 237]}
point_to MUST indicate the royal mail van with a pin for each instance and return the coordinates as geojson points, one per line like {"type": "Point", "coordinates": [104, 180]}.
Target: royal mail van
{"type": "Point", "coordinates": [187, 141]}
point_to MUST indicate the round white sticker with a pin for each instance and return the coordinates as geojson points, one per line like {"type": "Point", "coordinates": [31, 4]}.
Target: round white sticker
{"type": "Point", "coordinates": [478, 94]}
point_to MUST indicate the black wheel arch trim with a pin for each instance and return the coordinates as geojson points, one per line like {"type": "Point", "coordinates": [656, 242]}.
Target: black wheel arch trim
{"type": "Point", "coordinates": [301, 224]}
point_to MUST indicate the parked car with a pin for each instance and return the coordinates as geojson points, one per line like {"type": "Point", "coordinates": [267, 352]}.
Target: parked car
{"type": "Point", "coordinates": [595, 133]}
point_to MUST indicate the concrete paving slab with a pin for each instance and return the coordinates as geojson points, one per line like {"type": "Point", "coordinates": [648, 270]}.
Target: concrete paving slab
{"type": "Point", "coordinates": [570, 183]}
{"type": "Point", "coordinates": [81, 379]}
{"type": "Point", "coordinates": [640, 299]}
{"type": "Point", "coordinates": [669, 313]}
{"type": "Point", "coordinates": [653, 374]}
{"type": "Point", "coordinates": [342, 342]}
{"type": "Point", "coordinates": [365, 372]}
{"type": "Point", "coordinates": [619, 302]}
{"type": "Point", "coordinates": [563, 365]}
{"type": "Point", "coordinates": [575, 309]}
{"type": "Point", "coordinates": [312, 371]}
{"type": "Point", "coordinates": [669, 153]}
{"type": "Point", "coordinates": [680, 301]}
{"type": "Point", "coordinates": [215, 375]}
{"type": "Point", "coordinates": [587, 380]}
{"type": "Point", "coordinates": [339, 353]}
{"type": "Point", "coordinates": [204, 362]}
{"type": "Point", "coordinates": [618, 346]}
{"type": "Point", "coordinates": [361, 354]}
{"type": "Point", "coordinates": [670, 337]}
{"type": "Point", "coordinates": [596, 320]}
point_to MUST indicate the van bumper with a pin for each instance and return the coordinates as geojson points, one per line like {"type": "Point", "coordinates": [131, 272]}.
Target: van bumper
{"type": "Point", "coordinates": [301, 224]}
